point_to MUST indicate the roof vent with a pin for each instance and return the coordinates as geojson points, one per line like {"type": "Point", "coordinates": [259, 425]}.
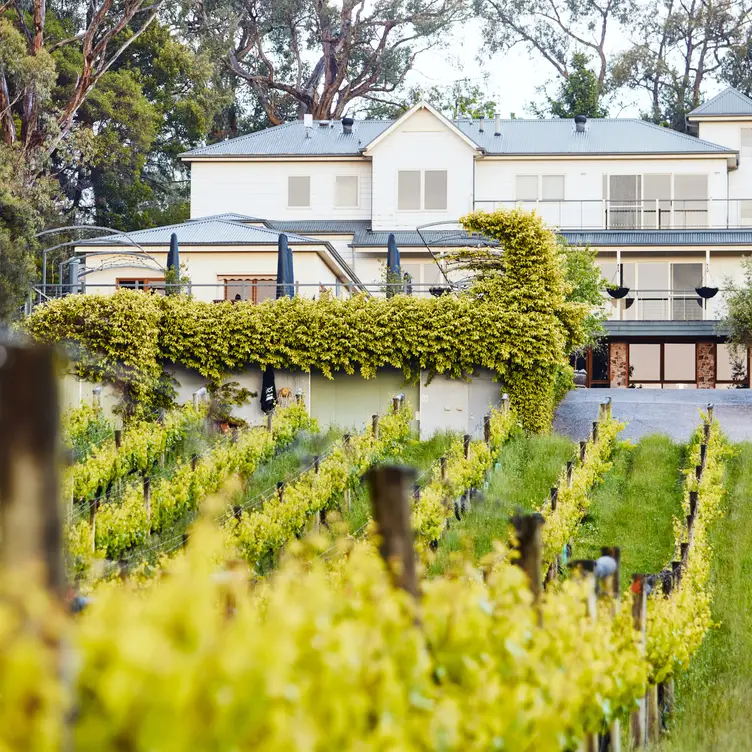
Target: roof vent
{"type": "Point", "coordinates": [323, 123]}
{"type": "Point", "coordinates": [497, 125]}
{"type": "Point", "coordinates": [580, 123]}
{"type": "Point", "coordinates": [347, 124]}
{"type": "Point", "coordinates": [481, 125]}
{"type": "Point", "coordinates": [308, 123]}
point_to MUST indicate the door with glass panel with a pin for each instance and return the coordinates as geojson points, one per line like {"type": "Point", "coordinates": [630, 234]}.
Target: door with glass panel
{"type": "Point", "coordinates": [686, 305]}
{"type": "Point", "coordinates": [623, 205]}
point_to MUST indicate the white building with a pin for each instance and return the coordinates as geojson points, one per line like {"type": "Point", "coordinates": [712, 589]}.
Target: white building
{"type": "Point", "coordinates": [668, 213]}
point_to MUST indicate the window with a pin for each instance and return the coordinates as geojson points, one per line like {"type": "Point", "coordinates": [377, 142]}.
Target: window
{"type": "Point", "coordinates": [527, 188]}
{"type": "Point", "coordinates": [256, 289]}
{"type": "Point", "coordinates": [142, 283]}
{"type": "Point", "coordinates": [656, 203]}
{"type": "Point", "coordinates": [435, 190]}
{"type": "Point", "coordinates": [644, 363]}
{"type": "Point", "coordinates": [552, 187]}
{"type": "Point", "coordinates": [425, 190]}
{"type": "Point", "coordinates": [408, 190]}
{"type": "Point", "coordinates": [346, 191]}
{"type": "Point", "coordinates": [690, 200]}
{"type": "Point", "coordinates": [624, 193]}
{"type": "Point", "coordinates": [679, 362]}
{"type": "Point", "coordinates": [746, 150]}
{"type": "Point", "coordinates": [299, 191]}
{"type": "Point", "coordinates": [731, 364]}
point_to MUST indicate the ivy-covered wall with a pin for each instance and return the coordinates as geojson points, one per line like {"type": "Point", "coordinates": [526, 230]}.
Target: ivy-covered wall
{"type": "Point", "coordinates": [522, 329]}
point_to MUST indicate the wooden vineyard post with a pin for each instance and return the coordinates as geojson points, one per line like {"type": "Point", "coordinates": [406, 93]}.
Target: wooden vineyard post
{"type": "Point", "coordinates": [637, 718]}
{"type": "Point", "coordinates": [395, 404]}
{"type": "Point", "coordinates": [375, 426]}
{"type": "Point", "coordinates": [147, 496]}
{"type": "Point", "coordinates": [654, 718]}
{"type": "Point", "coordinates": [553, 570]}
{"type": "Point", "coordinates": [595, 431]}
{"type": "Point", "coordinates": [529, 546]}
{"type": "Point", "coordinates": [466, 445]}
{"type": "Point", "coordinates": [487, 429]}
{"type": "Point", "coordinates": [442, 466]}
{"type": "Point", "coordinates": [30, 519]}
{"type": "Point", "coordinates": [583, 450]}
{"type": "Point", "coordinates": [390, 488]}
{"type": "Point", "coordinates": [194, 462]}
{"type": "Point", "coordinates": [666, 687]}
{"type": "Point", "coordinates": [118, 438]}
{"type": "Point", "coordinates": [703, 455]}
{"type": "Point", "coordinates": [710, 412]}
{"type": "Point", "coordinates": [570, 470]}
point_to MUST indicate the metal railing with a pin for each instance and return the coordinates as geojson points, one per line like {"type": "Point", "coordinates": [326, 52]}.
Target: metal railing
{"type": "Point", "coordinates": [240, 290]}
{"type": "Point", "coordinates": [663, 305]}
{"type": "Point", "coordinates": [642, 214]}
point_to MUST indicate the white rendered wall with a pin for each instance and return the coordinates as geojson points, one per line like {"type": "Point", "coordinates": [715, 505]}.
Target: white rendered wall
{"type": "Point", "coordinates": [495, 181]}
{"type": "Point", "coordinates": [259, 189]}
{"type": "Point", "coordinates": [423, 142]}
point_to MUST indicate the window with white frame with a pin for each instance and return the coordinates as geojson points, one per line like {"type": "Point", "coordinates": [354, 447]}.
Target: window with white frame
{"type": "Point", "coordinates": [534, 187]}
{"type": "Point", "coordinates": [746, 150]}
{"type": "Point", "coordinates": [299, 191]}
{"type": "Point", "coordinates": [346, 191]}
{"type": "Point", "coordinates": [422, 190]}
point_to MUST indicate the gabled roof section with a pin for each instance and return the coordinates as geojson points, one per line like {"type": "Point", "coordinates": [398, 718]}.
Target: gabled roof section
{"type": "Point", "coordinates": [602, 137]}
{"type": "Point", "coordinates": [419, 107]}
{"type": "Point", "coordinates": [202, 232]}
{"type": "Point", "coordinates": [729, 102]}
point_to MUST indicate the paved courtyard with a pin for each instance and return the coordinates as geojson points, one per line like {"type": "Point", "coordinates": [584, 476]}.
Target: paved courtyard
{"type": "Point", "coordinates": [670, 411]}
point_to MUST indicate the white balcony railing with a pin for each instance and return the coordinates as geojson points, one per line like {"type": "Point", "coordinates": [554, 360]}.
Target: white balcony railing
{"type": "Point", "coordinates": [663, 305]}
{"type": "Point", "coordinates": [645, 214]}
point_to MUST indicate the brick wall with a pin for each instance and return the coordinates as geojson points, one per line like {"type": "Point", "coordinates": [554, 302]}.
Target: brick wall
{"type": "Point", "coordinates": [706, 365]}
{"type": "Point", "coordinates": [618, 357]}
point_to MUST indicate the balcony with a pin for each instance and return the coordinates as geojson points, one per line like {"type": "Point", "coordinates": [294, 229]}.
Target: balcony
{"type": "Point", "coordinates": [644, 214]}
{"type": "Point", "coordinates": [664, 305]}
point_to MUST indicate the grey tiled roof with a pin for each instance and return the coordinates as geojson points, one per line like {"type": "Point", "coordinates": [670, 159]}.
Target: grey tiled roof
{"type": "Point", "coordinates": [662, 329]}
{"type": "Point", "coordinates": [323, 226]}
{"type": "Point", "coordinates": [728, 102]}
{"type": "Point", "coordinates": [599, 238]}
{"type": "Point", "coordinates": [203, 232]}
{"type": "Point", "coordinates": [411, 238]}
{"type": "Point", "coordinates": [524, 137]}
{"type": "Point", "coordinates": [228, 216]}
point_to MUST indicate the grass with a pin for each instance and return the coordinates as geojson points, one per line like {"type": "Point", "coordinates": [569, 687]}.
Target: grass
{"type": "Point", "coordinates": [417, 454]}
{"type": "Point", "coordinates": [634, 506]}
{"type": "Point", "coordinates": [715, 695]}
{"type": "Point", "coordinates": [526, 470]}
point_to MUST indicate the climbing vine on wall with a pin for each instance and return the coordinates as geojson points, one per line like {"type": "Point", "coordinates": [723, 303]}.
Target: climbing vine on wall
{"type": "Point", "coordinates": [519, 326]}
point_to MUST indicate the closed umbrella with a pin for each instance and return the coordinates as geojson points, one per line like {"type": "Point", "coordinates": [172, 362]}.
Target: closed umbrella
{"type": "Point", "coordinates": [268, 390]}
{"type": "Point", "coordinates": [393, 272]}
{"type": "Point", "coordinates": [285, 276]}
{"type": "Point", "coordinates": [173, 262]}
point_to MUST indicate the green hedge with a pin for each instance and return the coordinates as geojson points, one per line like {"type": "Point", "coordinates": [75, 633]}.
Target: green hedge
{"type": "Point", "coordinates": [522, 329]}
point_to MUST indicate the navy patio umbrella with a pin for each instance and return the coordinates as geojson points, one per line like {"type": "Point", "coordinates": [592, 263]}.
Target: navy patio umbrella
{"type": "Point", "coordinates": [285, 275]}
{"type": "Point", "coordinates": [173, 261]}
{"type": "Point", "coordinates": [393, 272]}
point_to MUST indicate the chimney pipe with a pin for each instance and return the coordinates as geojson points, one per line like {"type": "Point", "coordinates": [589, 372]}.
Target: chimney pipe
{"type": "Point", "coordinates": [308, 123]}
{"type": "Point", "coordinates": [481, 125]}
{"type": "Point", "coordinates": [580, 123]}
{"type": "Point", "coordinates": [497, 129]}
{"type": "Point", "coordinates": [347, 125]}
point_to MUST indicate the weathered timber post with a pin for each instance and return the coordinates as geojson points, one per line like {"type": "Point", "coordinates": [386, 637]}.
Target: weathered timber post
{"type": "Point", "coordinates": [637, 718]}
{"type": "Point", "coordinates": [676, 573]}
{"type": "Point", "coordinates": [487, 429]}
{"type": "Point", "coordinates": [30, 520]}
{"type": "Point", "coordinates": [442, 466]}
{"type": "Point", "coordinates": [693, 503]}
{"type": "Point", "coordinates": [194, 462]}
{"type": "Point", "coordinates": [118, 438]}
{"type": "Point", "coordinates": [390, 500]}
{"type": "Point", "coordinates": [466, 445]}
{"type": "Point", "coordinates": [375, 426]}
{"type": "Point", "coordinates": [93, 509]}
{"type": "Point", "coordinates": [395, 404]}
{"type": "Point", "coordinates": [281, 491]}
{"type": "Point", "coordinates": [530, 560]}
{"type": "Point", "coordinates": [570, 470]}
{"type": "Point", "coordinates": [595, 431]}
{"type": "Point", "coordinates": [710, 412]}
{"type": "Point", "coordinates": [147, 496]}
{"type": "Point", "coordinates": [583, 450]}
{"type": "Point", "coordinates": [698, 472]}
{"type": "Point", "coordinates": [703, 455]}
{"type": "Point", "coordinates": [554, 498]}
{"type": "Point", "coordinates": [316, 461]}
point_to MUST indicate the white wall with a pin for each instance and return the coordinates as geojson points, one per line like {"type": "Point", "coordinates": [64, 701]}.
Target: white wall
{"type": "Point", "coordinates": [259, 189]}
{"type": "Point", "coordinates": [422, 142]}
{"type": "Point", "coordinates": [740, 180]}
{"type": "Point", "coordinates": [495, 181]}
{"type": "Point", "coordinates": [206, 266]}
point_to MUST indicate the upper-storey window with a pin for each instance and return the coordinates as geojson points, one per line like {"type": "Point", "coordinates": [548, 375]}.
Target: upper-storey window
{"type": "Point", "coordinates": [534, 187]}
{"type": "Point", "coordinates": [299, 191]}
{"type": "Point", "coordinates": [422, 189]}
{"type": "Point", "coordinates": [346, 191]}
{"type": "Point", "coordinates": [746, 142]}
